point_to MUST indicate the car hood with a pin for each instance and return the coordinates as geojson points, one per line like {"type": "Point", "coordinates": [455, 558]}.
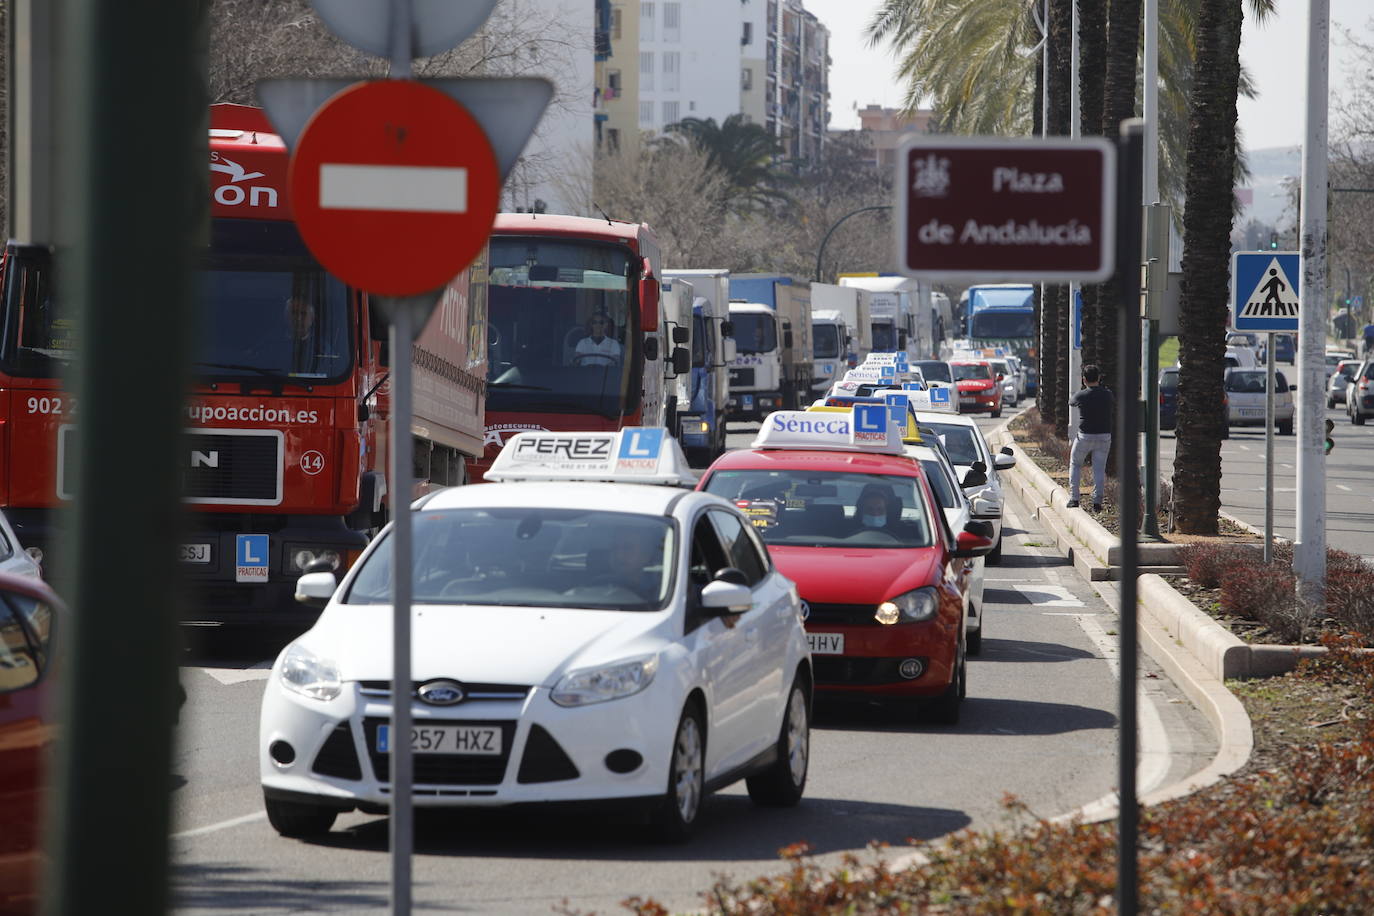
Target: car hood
{"type": "Point", "coordinates": [490, 645]}
{"type": "Point", "coordinates": [837, 575]}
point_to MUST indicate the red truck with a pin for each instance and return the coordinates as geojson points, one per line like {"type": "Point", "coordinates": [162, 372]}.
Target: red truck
{"type": "Point", "coordinates": [285, 452]}
{"type": "Point", "coordinates": [577, 339]}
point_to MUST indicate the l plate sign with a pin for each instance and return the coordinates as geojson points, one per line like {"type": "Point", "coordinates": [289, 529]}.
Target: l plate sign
{"type": "Point", "coordinates": [980, 208]}
{"type": "Point", "coordinates": [394, 187]}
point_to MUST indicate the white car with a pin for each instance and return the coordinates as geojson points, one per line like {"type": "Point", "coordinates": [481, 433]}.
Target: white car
{"type": "Point", "coordinates": [958, 511]}
{"type": "Point", "coordinates": [1003, 370]}
{"type": "Point", "coordinates": [1019, 372]}
{"type": "Point", "coordinates": [15, 559]}
{"type": "Point", "coordinates": [1245, 399]}
{"type": "Point", "coordinates": [573, 642]}
{"type": "Point", "coordinates": [977, 466]}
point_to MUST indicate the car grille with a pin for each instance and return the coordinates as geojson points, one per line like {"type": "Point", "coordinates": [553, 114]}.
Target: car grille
{"type": "Point", "coordinates": [471, 691]}
{"type": "Point", "coordinates": [446, 769]}
{"type": "Point", "coordinates": [544, 760]}
{"type": "Point", "coordinates": [741, 377]}
{"type": "Point", "coordinates": [852, 614]}
{"type": "Point", "coordinates": [233, 466]}
{"type": "Point", "coordinates": [337, 756]}
{"type": "Point", "coordinates": [841, 670]}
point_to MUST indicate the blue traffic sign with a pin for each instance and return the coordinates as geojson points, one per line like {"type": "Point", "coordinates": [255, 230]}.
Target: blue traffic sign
{"type": "Point", "coordinates": [1266, 292]}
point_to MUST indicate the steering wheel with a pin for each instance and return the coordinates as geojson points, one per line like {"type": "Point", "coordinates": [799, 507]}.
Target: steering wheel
{"type": "Point", "coordinates": [612, 359]}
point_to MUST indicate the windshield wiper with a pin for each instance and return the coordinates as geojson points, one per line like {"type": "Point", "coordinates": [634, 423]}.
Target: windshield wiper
{"type": "Point", "coordinates": [267, 373]}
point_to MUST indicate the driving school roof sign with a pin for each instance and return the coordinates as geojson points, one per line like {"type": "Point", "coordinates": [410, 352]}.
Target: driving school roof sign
{"type": "Point", "coordinates": [980, 208]}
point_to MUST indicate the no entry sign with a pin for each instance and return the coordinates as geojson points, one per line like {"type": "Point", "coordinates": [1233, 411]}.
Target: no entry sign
{"type": "Point", "coordinates": [394, 187]}
{"type": "Point", "coordinates": [979, 208]}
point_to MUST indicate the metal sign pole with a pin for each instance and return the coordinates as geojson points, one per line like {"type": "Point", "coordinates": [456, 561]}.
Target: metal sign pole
{"type": "Point", "coordinates": [1269, 449]}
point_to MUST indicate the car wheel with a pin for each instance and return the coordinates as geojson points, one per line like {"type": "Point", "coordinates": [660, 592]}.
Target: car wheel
{"type": "Point", "coordinates": [782, 784]}
{"type": "Point", "coordinates": [1330, 403]}
{"type": "Point", "coordinates": [997, 413]}
{"type": "Point", "coordinates": [1286, 429]}
{"type": "Point", "coordinates": [944, 709]}
{"type": "Point", "coordinates": [973, 640]}
{"type": "Point", "coordinates": [677, 812]}
{"type": "Point", "coordinates": [1357, 418]}
{"type": "Point", "coordinates": [994, 557]}
{"type": "Point", "coordinates": [294, 819]}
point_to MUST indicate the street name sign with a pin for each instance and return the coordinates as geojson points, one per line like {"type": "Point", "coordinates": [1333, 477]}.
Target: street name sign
{"type": "Point", "coordinates": [982, 209]}
{"type": "Point", "coordinates": [1266, 290]}
{"type": "Point", "coordinates": [394, 187]}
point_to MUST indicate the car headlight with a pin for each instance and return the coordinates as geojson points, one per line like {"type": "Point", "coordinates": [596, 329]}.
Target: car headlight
{"type": "Point", "coordinates": [609, 682]}
{"type": "Point", "coordinates": [309, 675]}
{"type": "Point", "coordinates": [301, 558]}
{"type": "Point", "coordinates": [914, 606]}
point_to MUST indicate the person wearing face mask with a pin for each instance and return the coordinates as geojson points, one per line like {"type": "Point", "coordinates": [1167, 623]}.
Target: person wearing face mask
{"type": "Point", "coordinates": [873, 509]}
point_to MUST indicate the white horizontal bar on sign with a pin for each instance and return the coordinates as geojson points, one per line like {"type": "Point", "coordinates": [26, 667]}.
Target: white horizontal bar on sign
{"type": "Point", "coordinates": [416, 188]}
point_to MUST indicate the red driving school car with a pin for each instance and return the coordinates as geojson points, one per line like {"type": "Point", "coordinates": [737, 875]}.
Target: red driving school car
{"type": "Point", "coordinates": [856, 526]}
{"type": "Point", "coordinates": [979, 387]}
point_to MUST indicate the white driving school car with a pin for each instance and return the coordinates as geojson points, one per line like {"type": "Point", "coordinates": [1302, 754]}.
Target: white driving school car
{"type": "Point", "coordinates": [584, 630]}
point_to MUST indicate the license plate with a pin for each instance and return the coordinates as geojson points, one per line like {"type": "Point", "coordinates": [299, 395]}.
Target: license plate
{"type": "Point", "coordinates": [446, 739]}
{"type": "Point", "coordinates": [826, 643]}
{"type": "Point", "coordinates": [1251, 411]}
{"type": "Point", "coordinates": [194, 553]}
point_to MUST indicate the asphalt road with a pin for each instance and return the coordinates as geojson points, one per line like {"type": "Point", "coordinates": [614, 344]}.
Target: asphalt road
{"type": "Point", "coordinates": [1349, 481]}
{"type": "Point", "coordinates": [1039, 722]}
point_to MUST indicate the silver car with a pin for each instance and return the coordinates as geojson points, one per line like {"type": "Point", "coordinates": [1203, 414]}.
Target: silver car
{"type": "Point", "coordinates": [1003, 370]}
{"type": "Point", "coordinates": [958, 510]}
{"type": "Point", "coordinates": [1245, 397]}
{"type": "Point", "coordinates": [977, 468]}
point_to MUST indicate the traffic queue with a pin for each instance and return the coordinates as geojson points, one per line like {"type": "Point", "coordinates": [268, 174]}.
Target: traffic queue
{"type": "Point", "coordinates": [595, 625]}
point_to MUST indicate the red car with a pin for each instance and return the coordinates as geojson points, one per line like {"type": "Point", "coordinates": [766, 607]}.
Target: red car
{"type": "Point", "coordinates": [27, 607]}
{"type": "Point", "coordinates": [980, 388]}
{"type": "Point", "coordinates": [860, 532]}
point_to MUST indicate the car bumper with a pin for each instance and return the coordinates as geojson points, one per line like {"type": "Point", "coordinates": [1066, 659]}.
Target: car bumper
{"type": "Point", "coordinates": [873, 654]}
{"type": "Point", "coordinates": [550, 753]}
{"type": "Point", "coordinates": [992, 400]}
{"type": "Point", "coordinates": [1235, 418]}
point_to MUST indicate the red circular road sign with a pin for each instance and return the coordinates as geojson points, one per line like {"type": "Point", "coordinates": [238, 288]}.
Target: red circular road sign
{"type": "Point", "coordinates": [394, 187]}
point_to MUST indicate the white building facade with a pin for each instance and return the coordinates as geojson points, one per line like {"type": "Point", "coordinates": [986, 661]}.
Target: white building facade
{"type": "Point", "coordinates": [689, 60]}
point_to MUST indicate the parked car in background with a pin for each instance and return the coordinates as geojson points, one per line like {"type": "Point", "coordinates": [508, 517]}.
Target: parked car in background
{"type": "Point", "coordinates": [1338, 385]}
{"type": "Point", "coordinates": [1359, 396]}
{"type": "Point", "coordinates": [1245, 397]}
{"type": "Point", "coordinates": [1168, 399]}
{"type": "Point", "coordinates": [1285, 348]}
{"type": "Point", "coordinates": [1249, 340]}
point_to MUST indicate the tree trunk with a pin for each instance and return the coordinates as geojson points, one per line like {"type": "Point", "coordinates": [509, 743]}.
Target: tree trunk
{"type": "Point", "coordinates": [1206, 266]}
{"type": "Point", "coordinates": [1092, 73]}
{"type": "Point", "coordinates": [1056, 307]}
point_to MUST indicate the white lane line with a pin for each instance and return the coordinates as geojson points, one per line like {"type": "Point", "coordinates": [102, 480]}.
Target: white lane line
{"type": "Point", "coordinates": [230, 676]}
{"type": "Point", "coordinates": [1069, 614]}
{"type": "Point", "coordinates": [1341, 486]}
{"type": "Point", "coordinates": [1049, 596]}
{"type": "Point", "coordinates": [1245, 447]}
{"type": "Point", "coordinates": [222, 825]}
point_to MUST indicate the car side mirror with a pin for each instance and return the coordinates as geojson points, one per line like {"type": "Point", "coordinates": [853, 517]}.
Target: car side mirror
{"type": "Point", "coordinates": [985, 508]}
{"type": "Point", "coordinates": [681, 335]}
{"type": "Point", "coordinates": [971, 544]}
{"type": "Point", "coordinates": [1003, 462]}
{"type": "Point", "coordinates": [1001, 377]}
{"type": "Point", "coordinates": [976, 477]}
{"type": "Point", "coordinates": [728, 350]}
{"type": "Point", "coordinates": [314, 589]}
{"type": "Point", "coordinates": [682, 361]}
{"type": "Point", "coordinates": [1292, 387]}
{"type": "Point", "coordinates": [727, 597]}
{"type": "Point", "coordinates": [651, 347]}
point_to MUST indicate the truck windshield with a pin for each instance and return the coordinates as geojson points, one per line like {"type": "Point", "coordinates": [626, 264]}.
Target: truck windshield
{"type": "Point", "coordinates": [266, 308]}
{"type": "Point", "coordinates": [1002, 324]}
{"type": "Point", "coordinates": [563, 332]}
{"type": "Point", "coordinates": [825, 341]}
{"type": "Point", "coordinates": [884, 338]}
{"type": "Point", "coordinates": [754, 333]}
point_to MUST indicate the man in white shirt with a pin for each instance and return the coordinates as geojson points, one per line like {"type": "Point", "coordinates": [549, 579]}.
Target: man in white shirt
{"type": "Point", "coordinates": [597, 349]}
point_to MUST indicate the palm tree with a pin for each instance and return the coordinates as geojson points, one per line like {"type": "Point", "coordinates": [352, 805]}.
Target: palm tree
{"type": "Point", "coordinates": [745, 152]}
{"type": "Point", "coordinates": [1054, 352]}
{"type": "Point", "coordinates": [1206, 262]}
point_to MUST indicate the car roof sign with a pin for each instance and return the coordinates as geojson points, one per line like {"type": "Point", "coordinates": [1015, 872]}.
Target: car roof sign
{"type": "Point", "coordinates": [934, 399]}
{"type": "Point", "coordinates": [635, 454]}
{"type": "Point", "coordinates": [840, 431]}
{"type": "Point", "coordinates": [910, 434]}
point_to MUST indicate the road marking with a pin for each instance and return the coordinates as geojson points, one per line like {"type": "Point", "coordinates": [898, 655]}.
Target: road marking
{"type": "Point", "coordinates": [230, 676]}
{"type": "Point", "coordinates": [1058, 596]}
{"type": "Point", "coordinates": [1341, 486]}
{"type": "Point", "coordinates": [1244, 447]}
{"type": "Point", "coordinates": [1070, 614]}
{"type": "Point", "coordinates": [222, 825]}
{"type": "Point", "coordinates": [1289, 466]}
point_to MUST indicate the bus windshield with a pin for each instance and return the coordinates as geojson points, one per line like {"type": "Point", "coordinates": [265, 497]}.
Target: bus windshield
{"type": "Point", "coordinates": [563, 332]}
{"type": "Point", "coordinates": [266, 309]}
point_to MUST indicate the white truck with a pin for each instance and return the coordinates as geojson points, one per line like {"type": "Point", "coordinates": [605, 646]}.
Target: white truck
{"type": "Point", "coordinates": [771, 315]}
{"type": "Point", "coordinates": [701, 409]}
{"type": "Point", "coordinates": [906, 315]}
{"type": "Point", "coordinates": [676, 296]}
{"type": "Point", "coordinates": [841, 332]}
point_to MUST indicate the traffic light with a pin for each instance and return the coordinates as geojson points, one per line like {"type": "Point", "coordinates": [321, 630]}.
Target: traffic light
{"type": "Point", "coordinates": [1330, 443]}
{"type": "Point", "coordinates": [1273, 241]}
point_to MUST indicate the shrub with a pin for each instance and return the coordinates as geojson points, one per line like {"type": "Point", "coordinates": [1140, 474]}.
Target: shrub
{"type": "Point", "coordinates": [1266, 594]}
{"type": "Point", "coordinates": [1207, 561]}
{"type": "Point", "coordinates": [1350, 596]}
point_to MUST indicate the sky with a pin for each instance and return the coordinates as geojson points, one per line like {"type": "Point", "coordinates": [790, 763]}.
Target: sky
{"type": "Point", "coordinates": [861, 75]}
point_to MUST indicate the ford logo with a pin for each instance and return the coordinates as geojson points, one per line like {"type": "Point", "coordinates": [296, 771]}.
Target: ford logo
{"type": "Point", "coordinates": [442, 693]}
{"type": "Point", "coordinates": [805, 610]}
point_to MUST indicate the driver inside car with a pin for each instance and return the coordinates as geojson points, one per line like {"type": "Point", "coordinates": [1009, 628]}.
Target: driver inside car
{"type": "Point", "coordinates": [598, 348]}
{"type": "Point", "coordinates": [877, 508]}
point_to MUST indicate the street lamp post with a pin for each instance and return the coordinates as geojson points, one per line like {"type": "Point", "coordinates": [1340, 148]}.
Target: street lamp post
{"type": "Point", "coordinates": [825, 241]}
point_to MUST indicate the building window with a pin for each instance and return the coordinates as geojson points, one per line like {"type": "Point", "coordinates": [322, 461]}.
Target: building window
{"type": "Point", "coordinates": [646, 22]}
{"type": "Point", "coordinates": [615, 24]}
{"type": "Point", "coordinates": [671, 14]}
{"type": "Point", "coordinates": [671, 65]}
{"type": "Point", "coordinates": [670, 113]}
{"type": "Point", "coordinates": [746, 78]}
{"type": "Point", "coordinates": [646, 70]}
{"type": "Point", "coordinates": [748, 37]}
{"type": "Point", "coordinates": [646, 114]}
{"type": "Point", "coordinates": [612, 84]}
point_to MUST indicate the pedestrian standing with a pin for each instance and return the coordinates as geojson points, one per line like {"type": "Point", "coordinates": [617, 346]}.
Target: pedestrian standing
{"type": "Point", "coordinates": [1094, 440]}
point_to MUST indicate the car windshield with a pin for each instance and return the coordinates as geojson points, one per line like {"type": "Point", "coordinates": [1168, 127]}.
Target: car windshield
{"type": "Point", "coordinates": [825, 341]}
{"type": "Point", "coordinates": [1000, 368]}
{"type": "Point", "coordinates": [265, 308]}
{"type": "Point", "coordinates": [961, 442]}
{"type": "Point", "coordinates": [804, 508]}
{"type": "Point", "coordinates": [933, 370]}
{"type": "Point", "coordinates": [970, 371]}
{"type": "Point", "coordinates": [939, 482]}
{"type": "Point", "coordinates": [563, 327]}
{"type": "Point", "coordinates": [530, 557]}
{"type": "Point", "coordinates": [754, 333]}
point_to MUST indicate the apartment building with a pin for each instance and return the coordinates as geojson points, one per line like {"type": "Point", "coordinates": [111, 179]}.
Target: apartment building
{"type": "Point", "coordinates": [785, 74]}
{"type": "Point", "coordinates": [616, 107]}
{"type": "Point", "coordinates": [886, 127]}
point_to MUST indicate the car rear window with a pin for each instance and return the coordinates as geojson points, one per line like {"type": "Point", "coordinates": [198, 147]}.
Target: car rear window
{"type": "Point", "coordinates": [1252, 382]}
{"type": "Point", "coordinates": [1168, 381]}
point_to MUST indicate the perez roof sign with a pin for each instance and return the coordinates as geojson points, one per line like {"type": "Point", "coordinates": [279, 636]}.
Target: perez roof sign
{"type": "Point", "coordinates": [980, 209]}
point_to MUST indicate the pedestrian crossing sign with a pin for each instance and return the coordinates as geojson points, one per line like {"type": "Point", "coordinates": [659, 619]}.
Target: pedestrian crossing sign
{"type": "Point", "coordinates": [1266, 290]}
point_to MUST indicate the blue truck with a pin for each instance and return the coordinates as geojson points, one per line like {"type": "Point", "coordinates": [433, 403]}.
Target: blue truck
{"type": "Point", "coordinates": [702, 402]}
{"type": "Point", "coordinates": [1003, 315]}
